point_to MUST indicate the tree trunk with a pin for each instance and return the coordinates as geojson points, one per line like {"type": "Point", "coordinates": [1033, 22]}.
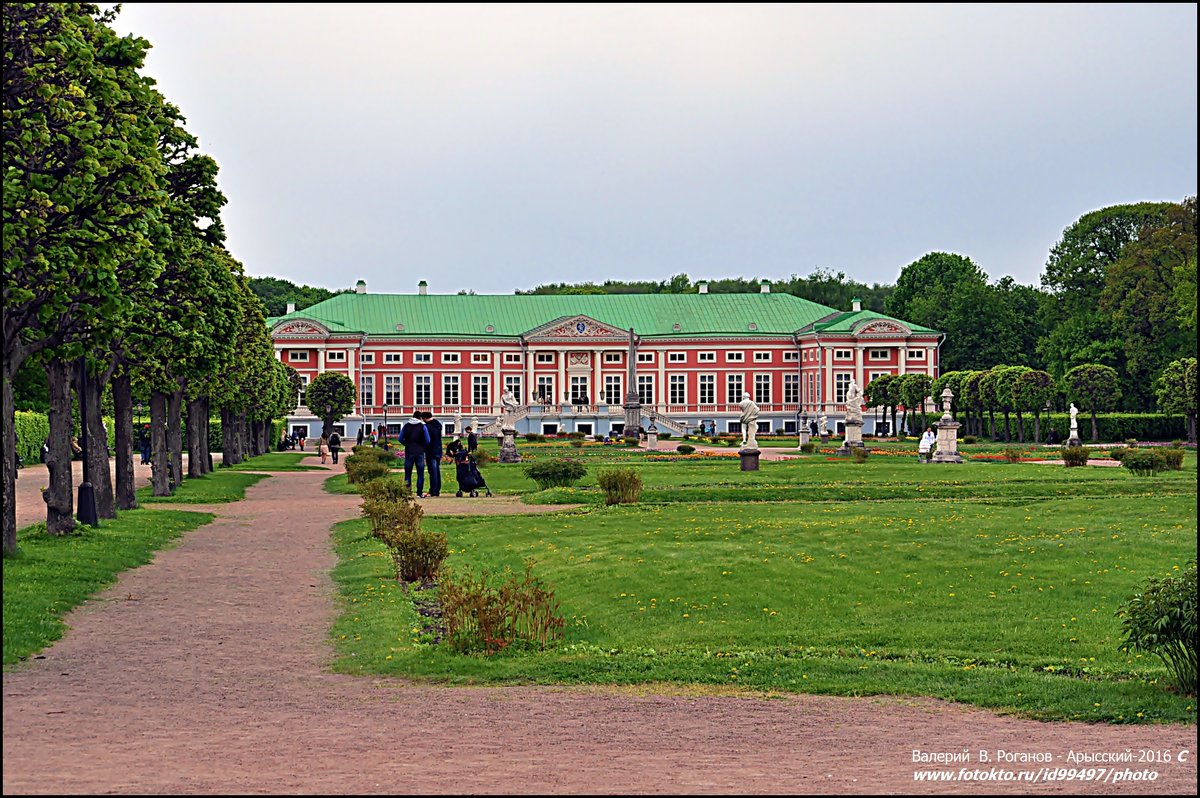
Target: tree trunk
{"type": "Point", "coordinates": [895, 430]}
{"type": "Point", "coordinates": [228, 436]}
{"type": "Point", "coordinates": [1037, 427]}
{"type": "Point", "coordinates": [1191, 428]}
{"type": "Point", "coordinates": [992, 424]}
{"type": "Point", "coordinates": [1020, 427]}
{"type": "Point", "coordinates": [175, 434]}
{"type": "Point", "coordinates": [1007, 428]}
{"type": "Point", "coordinates": [60, 516]}
{"type": "Point", "coordinates": [1095, 428]}
{"type": "Point", "coordinates": [9, 466]}
{"type": "Point", "coordinates": [160, 459]}
{"type": "Point", "coordinates": [205, 454]}
{"type": "Point", "coordinates": [195, 466]}
{"type": "Point", "coordinates": [99, 473]}
{"type": "Point", "coordinates": [126, 496]}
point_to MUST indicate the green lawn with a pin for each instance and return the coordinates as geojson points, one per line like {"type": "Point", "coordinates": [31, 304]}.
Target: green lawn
{"type": "Point", "coordinates": [220, 486]}
{"type": "Point", "coordinates": [274, 461]}
{"type": "Point", "coordinates": [51, 575]}
{"type": "Point", "coordinates": [992, 584]}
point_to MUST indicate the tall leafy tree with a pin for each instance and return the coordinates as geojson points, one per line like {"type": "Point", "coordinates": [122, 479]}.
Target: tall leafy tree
{"type": "Point", "coordinates": [1177, 392]}
{"type": "Point", "coordinates": [81, 195]}
{"type": "Point", "coordinates": [1097, 387]}
{"type": "Point", "coordinates": [913, 391]}
{"type": "Point", "coordinates": [330, 396]}
{"type": "Point", "coordinates": [1032, 391]}
{"type": "Point", "coordinates": [880, 393]}
{"type": "Point", "coordinates": [1005, 385]}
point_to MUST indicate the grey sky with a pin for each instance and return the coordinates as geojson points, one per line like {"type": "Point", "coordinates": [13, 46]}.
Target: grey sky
{"type": "Point", "coordinates": [499, 147]}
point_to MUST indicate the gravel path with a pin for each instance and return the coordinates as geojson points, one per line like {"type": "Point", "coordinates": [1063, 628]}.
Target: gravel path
{"type": "Point", "coordinates": [205, 672]}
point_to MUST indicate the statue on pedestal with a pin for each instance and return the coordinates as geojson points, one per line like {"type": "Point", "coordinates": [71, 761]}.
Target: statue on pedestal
{"type": "Point", "coordinates": [1074, 436]}
{"type": "Point", "coordinates": [823, 425]}
{"type": "Point", "coordinates": [510, 404]}
{"type": "Point", "coordinates": [749, 422]}
{"type": "Point", "coordinates": [854, 403]}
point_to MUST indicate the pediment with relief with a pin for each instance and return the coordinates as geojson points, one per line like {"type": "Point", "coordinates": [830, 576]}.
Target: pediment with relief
{"type": "Point", "coordinates": [576, 328]}
{"type": "Point", "coordinates": [301, 327]}
{"type": "Point", "coordinates": [882, 327]}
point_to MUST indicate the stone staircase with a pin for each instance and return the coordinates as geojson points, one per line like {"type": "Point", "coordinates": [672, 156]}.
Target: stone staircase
{"type": "Point", "coordinates": [662, 422]}
{"type": "Point", "coordinates": [494, 428]}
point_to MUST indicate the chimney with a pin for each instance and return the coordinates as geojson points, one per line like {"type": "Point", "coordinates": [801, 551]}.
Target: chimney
{"type": "Point", "coordinates": [765, 287]}
{"type": "Point", "coordinates": [422, 288]}
{"type": "Point", "coordinates": [856, 303]}
{"type": "Point", "coordinates": [360, 287]}
{"type": "Point", "coordinates": [291, 307]}
{"type": "Point", "coordinates": [703, 284]}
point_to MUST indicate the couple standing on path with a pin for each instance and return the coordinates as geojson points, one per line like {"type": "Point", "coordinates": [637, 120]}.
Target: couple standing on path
{"type": "Point", "coordinates": [421, 438]}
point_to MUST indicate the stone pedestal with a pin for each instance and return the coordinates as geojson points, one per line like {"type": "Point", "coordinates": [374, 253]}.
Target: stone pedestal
{"type": "Point", "coordinates": [508, 447]}
{"type": "Point", "coordinates": [749, 459]}
{"type": "Point", "coordinates": [947, 441]}
{"type": "Point", "coordinates": [1074, 440]}
{"type": "Point", "coordinates": [853, 438]}
{"type": "Point", "coordinates": [651, 440]}
{"type": "Point", "coordinates": [825, 437]}
{"type": "Point", "coordinates": [805, 436]}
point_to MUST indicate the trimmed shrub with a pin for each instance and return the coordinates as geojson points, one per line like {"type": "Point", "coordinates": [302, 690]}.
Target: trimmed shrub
{"type": "Point", "coordinates": [418, 554]}
{"type": "Point", "coordinates": [809, 447]}
{"type": "Point", "coordinates": [620, 485]}
{"type": "Point", "coordinates": [1172, 459]}
{"type": "Point", "coordinates": [1013, 454]}
{"type": "Point", "coordinates": [363, 469]}
{"type": "Point", "coordinates": [664, 436]}
{"type": "Point", "coordinates": [556, 473]}
{"type": "Point", "coordinates": [1117, 452]}
{"type": "Point", "coordinates": [483, 613]}
{"type": "Point", "coordinates": [685, 448]}
{"type": "Point", "coordinates": [577, 443]}
{"type": "Point", "coordinates": [1143, 462]}
{"type": "Point", "coordinates": [388, 503]}
{"type": "Point", "coordinates": [858, 455]}
{"type": "Point", "coordinates": [576, 436]}
{"type": "Point", "coordinates": [969, 439]}
{"type": "Point", "coordinates": [1075, 456]}
{"type": "Point", "coordinates": [484, 457]}
{"type": "Point", "coordinates": [534, 437]}
{"type": "Point", "coordinates": [1161, 620]}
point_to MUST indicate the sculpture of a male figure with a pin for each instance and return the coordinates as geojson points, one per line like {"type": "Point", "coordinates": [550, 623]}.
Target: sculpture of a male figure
{"type": "Point", "coordinates": [749, 422]}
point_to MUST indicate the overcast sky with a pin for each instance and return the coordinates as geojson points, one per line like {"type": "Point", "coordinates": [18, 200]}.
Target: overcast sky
{"type": "Point", "coordinates": [496, 147]}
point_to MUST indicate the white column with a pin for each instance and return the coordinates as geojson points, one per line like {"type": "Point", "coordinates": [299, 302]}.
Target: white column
{"type": "Point", "coordinates": [497, 385]}
{"type": "Point", "coordinates": [352, 356]}
{"type": "Point", "coordinates": [903, 361]}
{"type": "Point", "coordinates": [321, 360]}
{"type": "Point", "coordinates": [529, 386]}
{"type": "Point", "coordinates": [929, 363]}
{"type": "Point", "coordinates": [561, 387]}
{"type": "Point", "coordinates": [596, 377]}
{"type": "Point", "coordinates": [279, 353]}
{"type": "Point", "coordinates": [858, 365]}
{"type": "Point", "coordinates": [660, 388]}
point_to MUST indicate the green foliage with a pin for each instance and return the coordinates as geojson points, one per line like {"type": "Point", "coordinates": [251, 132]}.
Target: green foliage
{"type": "Point", "coordinates": [858, 455]}
{"type": "Point", "coordinates": [483, 613]}
{"type": "Point", "coordinates": [1013, 454]}
{"type": "Point", "coordinates": [534, 437]}
{"type": "Point", "coordinates": [1160, 619]}
{"type": "Point", "coordinates": [417, 553]}
{"type": "Point", "coordinates": [808, 448]}
{"type": "Point", "coordinates": [1075, 456]}
{"type": "Point", "coordinates": [1143, 462]}
{"type": "Point", "coordinates": [969, 439]}
{"type": "Point", "coordinates": [363, 469]}
{"type": "Point", "coordinates": [577, 443]}
{"type": "Point", "coordinates": [330, 396]}
{"type": "Point", "coordinates": [620, 485]}
{"type": "Point", "coordinates": [555, 473]}
{"type": "Point", "coordinates": [276, 294]}
{"type": "Point", "coordinates": [388, 504]}
{"type": "Point", "coordinates": [685, 448]}
{"type": "Point", "coordinates": [32, 430]}
{"type": "Point", "coordinates": [1172, 458]}
{"type": "Point", "coordinates": [1095, 387]}
{"type": "Point", "coordinates": [576, 436]}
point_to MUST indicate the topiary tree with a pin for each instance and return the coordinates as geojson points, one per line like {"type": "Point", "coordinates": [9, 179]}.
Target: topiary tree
{"type": "Point", "coordinates": [1032, 391]}
{"type": "Point", "coordinates": [896, 392]}
{"type": "Point", "coordinates": [970, 401]}
{"type": "Point", "coordinates": [1006, 380]}
{"type": "Point", "coordinates": [330, 396]}
{"type": "Point", "coordinates": [878, 393]}
{"type": "Point", "coordinates": [913, 391]}
{"type": "Point", "coordinates": [987, 397]}
{"type": "Point", "coordinates": [1177, 392]}
{"type": "Point", "coordinates": [1094, 386]}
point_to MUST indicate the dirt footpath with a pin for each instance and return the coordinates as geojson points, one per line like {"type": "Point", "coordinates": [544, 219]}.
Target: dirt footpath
{"type": "Point", "coordinates": [205, 672]}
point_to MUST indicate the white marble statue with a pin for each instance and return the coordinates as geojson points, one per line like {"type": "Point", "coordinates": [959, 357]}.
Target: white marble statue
{"type": "Point", "coordinates": [822, 424]}
{"type": "Point", "coordinates": [854, 403]}
{"type": "Point", "coordinates": [1074, 423]}
{"type": "Point", "coordinates": [511, 405]}
{"type": "Point", "coordinates": [749, 422]}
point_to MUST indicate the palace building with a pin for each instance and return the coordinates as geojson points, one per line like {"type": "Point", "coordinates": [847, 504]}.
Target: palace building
{"type": "Point", "coordinates": [572, 360]}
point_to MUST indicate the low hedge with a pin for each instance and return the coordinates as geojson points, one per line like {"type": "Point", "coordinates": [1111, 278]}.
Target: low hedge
{"type": "Point", "coordinates": [1111, 426]}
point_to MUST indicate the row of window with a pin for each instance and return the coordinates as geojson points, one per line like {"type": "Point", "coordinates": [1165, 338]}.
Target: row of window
{"type": "Point", "coordinates": [420, 358]}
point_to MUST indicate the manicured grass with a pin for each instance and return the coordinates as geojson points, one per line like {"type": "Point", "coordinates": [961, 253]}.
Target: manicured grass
{"type": "Point", "coordinates": [218, 487]}
{"type": "Point", "coordinates": [51, 575]}
{"type": "Point", "coordinates": [1000, 592]}
{"type": "Point", "coordinates": [274, 461]}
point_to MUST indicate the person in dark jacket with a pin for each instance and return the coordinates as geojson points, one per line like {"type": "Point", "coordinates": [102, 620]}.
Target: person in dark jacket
{"type": "Point", "coordinates": [433, 455]}
{"type": "Point", "coordinates": [335, 446]}
{"type": "Point", "coordinates": [472, 440]}
{"type": "Point", "coordinates": [414, 437]}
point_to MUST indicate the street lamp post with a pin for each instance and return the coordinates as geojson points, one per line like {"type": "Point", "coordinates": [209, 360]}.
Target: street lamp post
{"type": "Point", "coordinates": [325, 422]}
{"type": "Point", "coordinates": [87, 495]}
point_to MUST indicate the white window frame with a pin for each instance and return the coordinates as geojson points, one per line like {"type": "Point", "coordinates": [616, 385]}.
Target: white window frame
{"type": "Point", "coordinates": [841, 386]}
{"type": "Point", "coordinates": [294, 355]}
{"type": "Point", "coordinates": [544, 357]}
{"type": "Point", "coordinates": [367, 357]}
{"type": "Point", "coordinates": [302, 396]}
{"type": "Point", "coordinates": [614, 357]}
{"type": "Point", "coordinates": [646, 389]}
{"type": "Point", "coordinates": [451, 357]}
{"type": "Point", "coordinates": [452, 381]}
{"type": "Point", "coordinates": [879, 354]}
{"type": "Point", "coordinates": [706, 357]}
{"type": "Point", "coordinates": [366, 390]}
{"type": "Point", "coordinates": [677, 389]}
{"type": "Point", "coordinates": [843, 354]}
{"type": "Point", "coordinates": [425, 358]}
{"type": "Point", "coordinates": [645, 357]}
{"type": "Point", "coordinates": [393, 390]}
{"type": "Point", "coordinates": [762, 357]}
{"type": "Point", "coordinates": [422, 381]}
{"type": "Point", "coordinates": [677, 357]}
{"type": "Point", "coordinates": [516, 384]}
{"type": "Point", "coordinates": [762, 389]}
{"type": "Point", "coordinates": [916, 354]}
{"type": "Point", "coordinates": [611, 380]}
{"type": "Point", "coordinates": [791, 357]}
{"type": "Point", "coordinates": [335, 356]}
{"type": "Point", "coordinates": [546, 387]}
{"type": "Point", "coordinates": [733, 397]}
{"type": "Point", "coordinates": [481, 357]}
{"type": "Point", "coordinates": [393, 358]}
{"type": "Point", "coordinates": [707, 381]}
{"type": "Point", "coordinates": [484, 380]}
{"type": "Point", "coordinates": [512, 357]}
{"type": "Point", "coordinates": [578, 380]}
{"type": "Point", "coordinates": [791, 389]}
{"type": "Point", "coordinates": [735, 357]}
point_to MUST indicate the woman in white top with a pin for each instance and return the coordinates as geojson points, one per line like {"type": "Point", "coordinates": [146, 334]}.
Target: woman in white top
{"type": "Point", "coordinates": [926, 445]}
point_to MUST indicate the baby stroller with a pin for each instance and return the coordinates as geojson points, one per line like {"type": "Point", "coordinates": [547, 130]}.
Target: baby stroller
{"type": "Point", "coordinates": [467, 473]}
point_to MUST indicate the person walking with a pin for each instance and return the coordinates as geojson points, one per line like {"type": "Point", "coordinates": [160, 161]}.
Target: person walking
{"type": "Point", "coordinates": [335, 445]}
{"type": "Point", "coordinates": [433, 454]}
{"type": "Point", "coordinates": [323, 448]}
{"type": "Point", "coordinates": [144, 444]}
{"type": "Point", "coordinates": [926, 444]}
{"type": "Point", "coordinates": [472, 440]}
{"type": "Point", "coordinates": [359, 442]}
{"type": "Point", "coordinates": [414, 437]}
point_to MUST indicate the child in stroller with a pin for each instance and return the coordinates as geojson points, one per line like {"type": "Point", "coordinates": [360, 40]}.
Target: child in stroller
{"type": "Point", "coordinates": [466, 471]}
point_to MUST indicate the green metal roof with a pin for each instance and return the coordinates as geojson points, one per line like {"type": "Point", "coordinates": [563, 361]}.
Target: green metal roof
{"type": "Point", "coordinates": [849, 321]}
{"type": "Point", "coordinates": [513, 315]}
